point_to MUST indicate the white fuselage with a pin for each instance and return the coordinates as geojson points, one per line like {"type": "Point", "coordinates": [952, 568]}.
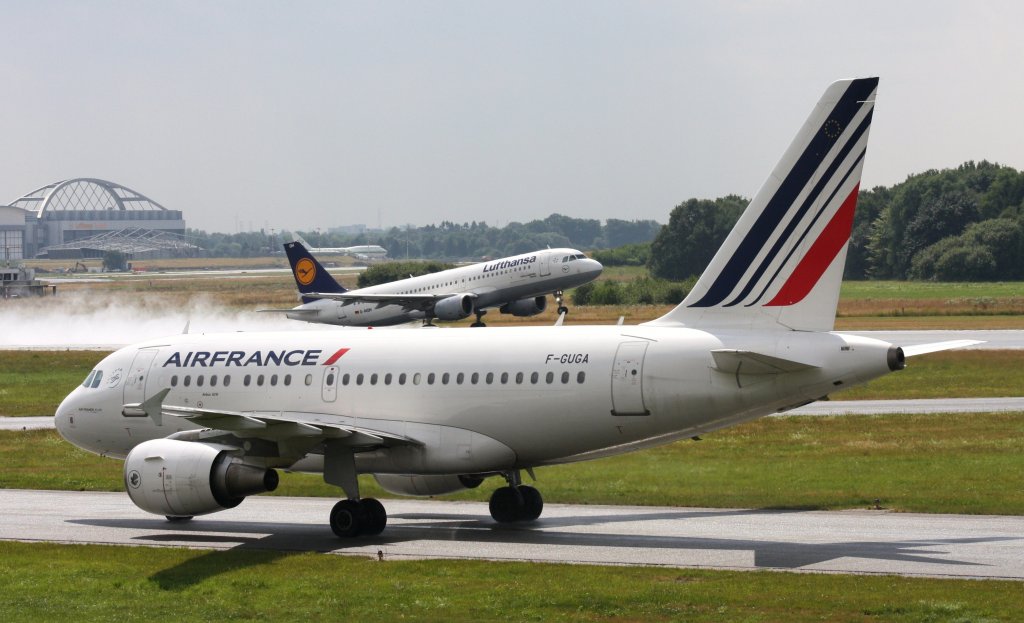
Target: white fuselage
{"type": "Point", "coordinates": [492, 284]}
{"type": "Point", "coordinates": [477, 400]}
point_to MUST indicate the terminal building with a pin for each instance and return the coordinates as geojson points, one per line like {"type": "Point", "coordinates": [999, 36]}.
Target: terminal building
{"type": "Point", "coordinates": [84, 217]}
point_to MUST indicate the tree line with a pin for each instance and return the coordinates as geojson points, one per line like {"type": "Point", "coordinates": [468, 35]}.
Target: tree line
{"type": "Point", "coordinates": [449, 240]}
{"type": "Point", "coordinates": [962, 224]}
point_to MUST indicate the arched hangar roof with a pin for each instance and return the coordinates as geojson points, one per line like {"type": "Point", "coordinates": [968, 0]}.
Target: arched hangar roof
{"type": "Point", "coordinates": [84, 193]}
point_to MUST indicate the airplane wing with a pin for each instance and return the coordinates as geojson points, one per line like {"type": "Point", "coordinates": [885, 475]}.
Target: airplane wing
{"type": "Point", "coordinates": [749, 362]}
{"type": "Point", "coordinates": [280, 425]}
{"type": "Point", "coordinates": [934, 347]}
{"type": "Point", "coordinates": [407, 301]}
{"type": "Point", "coordinates": [298, 311]}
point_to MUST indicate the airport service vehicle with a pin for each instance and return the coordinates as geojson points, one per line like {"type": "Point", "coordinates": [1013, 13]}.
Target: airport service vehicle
{"type": "Point", "coordinates": [202, 421]}
{"type": "Point", "coordinates": [516, 285]}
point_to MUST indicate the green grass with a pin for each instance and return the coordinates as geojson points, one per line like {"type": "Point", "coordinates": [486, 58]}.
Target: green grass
{"type": "Point", "coordinates": [34, 382]}
{"type": "Point", "coordinates": [930, 290]}
{"type": "Point", "coordinates": [945, 463]}
{"type": "Point", "coordinates": [44, 582]}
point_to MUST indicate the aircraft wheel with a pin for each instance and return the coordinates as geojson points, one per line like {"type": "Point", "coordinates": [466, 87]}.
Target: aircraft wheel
{"type": "Point", "coordinates": [178, 518]}
{"type": "Point", "coordinates": [506, 504]}
{"type": "Point", "coordinates": [533, 503]}
{"type": "Point", "coordinates": [563, 310]}
{"type": "Point", "coordinates": [376, 518]}
{"type": "Point", "coordinates": [347, 518]}
{"type": "Point", "coordinates": [478, 324]}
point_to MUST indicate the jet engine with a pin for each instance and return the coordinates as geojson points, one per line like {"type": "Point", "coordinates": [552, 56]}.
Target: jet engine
{"type": "Point", "coordinates": [182, 478]}
{"type": "Point", "coordinates": [455, 307]}
{"type": "Point", "coordinates": [526, 307]}
{"type": "Point", "coordinates": [426, 485]}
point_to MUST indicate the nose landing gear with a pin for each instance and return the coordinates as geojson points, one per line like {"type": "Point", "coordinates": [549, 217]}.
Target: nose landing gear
{"type": "Point", "coordinates": [562, 309]}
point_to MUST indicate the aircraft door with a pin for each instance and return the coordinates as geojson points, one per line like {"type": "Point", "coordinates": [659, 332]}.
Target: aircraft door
{"type": "Point", "coordinates": [628, 379]}
{"type": "Point", "coordinates": [135, 384]}
{"type": "Point", "coordinates": [330, 386]}
{"type": "Point", "coordinates": [546, 258]}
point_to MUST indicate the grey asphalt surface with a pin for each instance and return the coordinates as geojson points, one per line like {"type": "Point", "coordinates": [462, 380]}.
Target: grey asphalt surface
{"type": "Point", "coordinates": [839, 542]}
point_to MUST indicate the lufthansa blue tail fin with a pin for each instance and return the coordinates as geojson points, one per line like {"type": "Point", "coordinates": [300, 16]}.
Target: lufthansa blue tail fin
{"type": "Point", "coordinates": [310, 275]}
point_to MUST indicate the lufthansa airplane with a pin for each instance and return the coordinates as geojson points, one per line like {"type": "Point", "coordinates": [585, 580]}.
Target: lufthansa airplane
{"type": "Point", "coordinates": [363, 251]}
{"type": "Point", "coordinates": [202, 421]}
{"type": "Point", "coordinates": [515, 285]}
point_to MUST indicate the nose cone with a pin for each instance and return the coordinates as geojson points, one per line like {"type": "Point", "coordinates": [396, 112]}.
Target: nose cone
{"type": "Point", "coordinates": [592, 267]}
{"type": "Point", "coordinates": [64, 419]}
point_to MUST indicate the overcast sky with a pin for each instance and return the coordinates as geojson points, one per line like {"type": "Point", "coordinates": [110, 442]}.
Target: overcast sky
{"type": "Point", "coordinates": [299, 115]}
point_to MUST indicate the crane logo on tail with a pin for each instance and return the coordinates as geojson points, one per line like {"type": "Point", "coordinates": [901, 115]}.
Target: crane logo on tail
{"type": "Point", "coordinates": [305, 271]}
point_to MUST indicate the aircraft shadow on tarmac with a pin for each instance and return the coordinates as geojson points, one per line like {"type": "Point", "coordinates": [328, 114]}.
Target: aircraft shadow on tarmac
{"type": "Point", "coordinates": [276, 540]}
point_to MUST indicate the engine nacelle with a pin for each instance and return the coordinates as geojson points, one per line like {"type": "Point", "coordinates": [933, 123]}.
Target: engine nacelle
{"type": "Point", "coordinates": [526, 307]}
{"type": "Point", "coordinates": [401, 484]}
{"type": "Point", "coordinates": [183, 478]}
{"type": "Point", "coordinates": [455, 307]}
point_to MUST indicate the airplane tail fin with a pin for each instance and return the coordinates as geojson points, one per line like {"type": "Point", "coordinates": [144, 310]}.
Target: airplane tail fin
{"type": "Point", "coordinates": [782, 264]}
{"type": "Point", "coordinates": [297, 238]}
{"type": "Point", "coordinates": [310, 275]}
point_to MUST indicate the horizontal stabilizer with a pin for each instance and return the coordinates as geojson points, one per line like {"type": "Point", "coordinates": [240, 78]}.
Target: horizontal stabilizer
{"type": "Point", "coordinates": [749, 362]}
{"type": "Point", "coordinates": [934, 347]}
{"type": "Point", "coordinates": [298, 311]}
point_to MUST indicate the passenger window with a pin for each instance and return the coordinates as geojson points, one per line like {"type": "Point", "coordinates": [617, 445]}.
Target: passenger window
{"type": "Point", "coordinates": [213, 381]}
{"type": "Point", "coordinates": [186, 381]}
{"type": "Point", "coordinates": [174, 381]}
{"type": "Point", "coordinates": [359, 379]}
{"type": "Point", "coordinates": [330, 379]}
{"type": "Point", "coordinates": [534, 377]}
{"type": "Point", "coordinates": [273, 379]}
{"type": "Point", "coordinates": [582, 376]}
{"type": "Point", "coordinates": [373, 379]}
{"type": "Point", "coordinates": [199, 381]}
{"type": "Point", "coordinates": [309, 380]}
{"type": "Point", "coordinates": [387, 379]}
{"type": "Point", "coordinates": [565, 378]}
{"type": "Point", "coordinates": [345, 379]}
{"type": "Point", "coordinates": [227, 380]}
{"type": "Point", "coordinates": [460, 377]}
{"type": "Point", "coordinates": [550, 378]}
{"type": "Point", "coordinates": [259, 380]}
{"type": "Point", "coordinates": [287, 379]}
{"type": "Point", "coordinates": [247, 380]}
{"type": "Point", "coordinates": [504, 378]}
{"type": "Point", "coordinates": [519, 378]}
{"type": "Point", "coordinates": [401, 379]}
{"type": "Point", "coordinates": [475, 378]}
{"type": "Point", "coordinates": [444, 378]}
{"type": "Point", "coordinates": [490, 378]}
{"type": "Point", "coordinates": [430, 379]}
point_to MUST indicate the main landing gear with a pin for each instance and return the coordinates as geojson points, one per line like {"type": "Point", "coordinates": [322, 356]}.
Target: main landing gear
{"type": "Point", "coordinates": [365, 517]}
{"type": "Point", "coordinates": [515, 502]}
{"type": "Point", "coordinates": [562, 309]}
{"type": "Point", "coordinates": [479, 318]}
{"type": "Point", "coordinates": [353, 516]}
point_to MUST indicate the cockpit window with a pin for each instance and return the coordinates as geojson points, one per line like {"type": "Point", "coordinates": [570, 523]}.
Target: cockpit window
{"type": "Point", "coordinates": [93, 380]}
{"type": "Point", "coordinates": [580, 256]}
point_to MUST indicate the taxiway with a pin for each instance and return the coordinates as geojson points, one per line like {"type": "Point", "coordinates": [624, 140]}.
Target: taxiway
{"type": "Point", "coordinates": [863, 541]}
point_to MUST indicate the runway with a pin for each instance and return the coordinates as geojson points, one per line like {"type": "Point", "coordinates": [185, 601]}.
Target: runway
{"type": "Point", "coordinates": [812, 541]}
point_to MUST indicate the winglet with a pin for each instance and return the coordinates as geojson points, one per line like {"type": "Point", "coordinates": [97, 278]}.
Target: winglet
{"type": "Point", "coordinates": [153, 407]}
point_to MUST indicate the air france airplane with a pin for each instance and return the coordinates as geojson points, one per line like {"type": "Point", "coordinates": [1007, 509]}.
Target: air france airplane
{"type": "Point", "coordinates": [516, 285]}
{"type": "Point", "coordinates": [202, 421]}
